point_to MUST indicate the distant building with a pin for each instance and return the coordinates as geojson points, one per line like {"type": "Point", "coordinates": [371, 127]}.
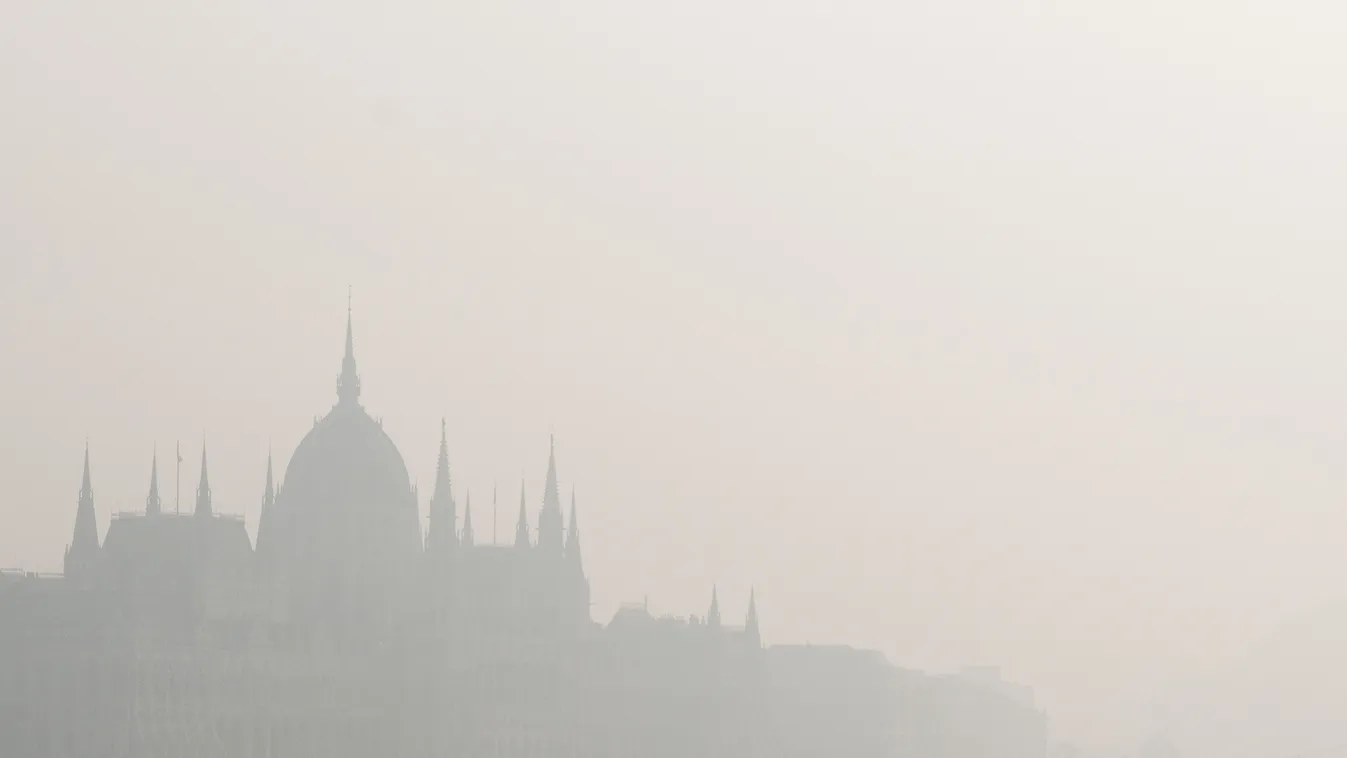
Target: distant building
{"type": "Point", "coordinates": [344, 632]}
{"type": "Point", "coordinates": [976, 713]}
{"type": "Point", "coordinates": [840, 701]}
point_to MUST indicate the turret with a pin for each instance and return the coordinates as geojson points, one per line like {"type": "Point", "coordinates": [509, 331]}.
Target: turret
{"type": "Point", "coordinates": [443, 510]}
{"type": "Point", "coordinates": [82, 553]}
{"type": "Point", "coordinates": [549, 519]}
{"type": "Point", "coordinates": [521, 531]}
{"type": "Point", "coordinates": [204, 509]}
{"type": "Point", "coordinates": [153, 505]}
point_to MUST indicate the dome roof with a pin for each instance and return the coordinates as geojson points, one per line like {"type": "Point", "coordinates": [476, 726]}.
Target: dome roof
{"type": "Point", "coordinates": [345, 460]}
{"type": "Point", "coordinates": [346, 522]}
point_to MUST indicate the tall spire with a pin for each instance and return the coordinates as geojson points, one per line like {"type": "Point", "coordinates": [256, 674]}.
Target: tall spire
{"type": "Point", "coordinates": [153, 505]}
{"type": "Point", "coordinates": [86, 486]}
{"type": "Point", "coordinates": [177, 479]}
{"type": "Point", "coordinates": [348, 384]}
{"type": "Point", "coordinates": [751, 625]}
{"type": "Point", "coordinates": [573, 542]}
{"type": "Point", "coordinates": [203, 501]}
{"type": "Point", "coordinates": [83, 550]}
{"type": "Point", "coordinates": [521, 532]}
{"type": "Point", "coordinates": [549, 520]}
{"type": "Point", "coordinates": [713, 615]}
{"type": "Point", "coordinates": [268, 507]}
{"type": "Point", "coordinates": [269, 492]}
{"type": "Point", "coordinates": [443, 510]}
{"type": "Point", "coordinates": [467, 539]}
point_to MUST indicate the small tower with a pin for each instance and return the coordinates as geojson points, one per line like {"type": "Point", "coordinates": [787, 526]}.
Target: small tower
{"type": "Point", "coordinates": [443, 510]}
{"type": "Point", "coordinates": [521, 530]}
{"type": "Point", "coordinates": [153, 505]}
{"type": "Point", "coordinates": [549, 519]}
{"type": "Point", "coordinates": [467, 539]}
{"type": "Point", "coordinates": [204, 509]}
{"type": "Point", "coordinates": [713, 615]}
{"type": "Point", "coordinates": [82, 553]}
{"type": "Point", "coordinates": [751, 625]}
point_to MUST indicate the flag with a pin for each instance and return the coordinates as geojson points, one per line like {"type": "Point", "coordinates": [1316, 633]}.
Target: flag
{"type": "Point", "coordinates": [177, 448]}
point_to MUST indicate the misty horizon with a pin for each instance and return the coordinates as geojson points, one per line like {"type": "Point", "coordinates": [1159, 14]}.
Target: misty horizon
{"type": "Point", "coordinates": [976, 334]}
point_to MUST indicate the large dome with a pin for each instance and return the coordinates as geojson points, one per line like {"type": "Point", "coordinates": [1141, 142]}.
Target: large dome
{"type": "Point", "coordinates": [345, 461]}
{"type": "Point", "coordinates": [345, 533]}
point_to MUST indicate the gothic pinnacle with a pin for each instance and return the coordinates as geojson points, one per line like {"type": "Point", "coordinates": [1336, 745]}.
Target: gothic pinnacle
{"type": "Point", "coordinates": [204, 507]}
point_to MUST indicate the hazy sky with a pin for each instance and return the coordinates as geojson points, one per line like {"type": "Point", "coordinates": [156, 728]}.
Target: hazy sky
{"type": "Point", "coordinates": [974, 331]}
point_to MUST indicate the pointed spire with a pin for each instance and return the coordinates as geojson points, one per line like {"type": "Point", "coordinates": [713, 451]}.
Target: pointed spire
{"type": "Point", "coordinates": [86, 487]}
{"type": "Point", "coordinates": [467, 539]}
{"type": "Point", "coordinates": [713, 615]}
{"type": "Point", "coordinates": [83, 550]}
{"type": "Point", "coordinates": [177, 479]}
{"type": "Point", "coordinates": [268, 506]}
{"type": "Point", "coordinates": [521, 532]}
{"type": "Point", "coordinates": [573, 541]}
{"type": "Point", "coordinates": [751, 625]}
{"type": "Point", "coordinates": [269, 492]}
{"type": "Point", "coordinates": [203, 501]}
{"type": "Point", "coordinates": [153, 505]}
{"type": "Point", "coordinates": [348, 384]}
{"type": "Point", "coordinates": [443, 509]}
{"type": "Point", "coordinates": [549, 520]}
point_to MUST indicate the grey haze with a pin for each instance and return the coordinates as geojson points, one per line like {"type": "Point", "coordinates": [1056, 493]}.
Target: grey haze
{"type": "Point", "coordinates": [967, 331]}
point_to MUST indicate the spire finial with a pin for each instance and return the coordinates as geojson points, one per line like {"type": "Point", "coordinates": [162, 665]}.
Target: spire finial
{"type": "Point", "coordinates": [348, 384]}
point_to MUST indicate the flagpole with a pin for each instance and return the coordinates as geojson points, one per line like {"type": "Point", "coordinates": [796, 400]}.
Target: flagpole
{"type": "Point", "coordinates": [494, 520]}
{"type": "Point", "coordinates": [177, 477]}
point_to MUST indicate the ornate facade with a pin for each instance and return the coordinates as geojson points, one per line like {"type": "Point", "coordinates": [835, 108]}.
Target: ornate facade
{"type": "Point", "coordinates": [344, 633]}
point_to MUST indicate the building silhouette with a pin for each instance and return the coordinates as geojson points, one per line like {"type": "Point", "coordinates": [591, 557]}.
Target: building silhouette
{"type": "Point", "coordinates": [345, 632]}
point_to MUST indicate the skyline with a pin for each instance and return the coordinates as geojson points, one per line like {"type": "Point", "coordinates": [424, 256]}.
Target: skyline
{"type": "Point", "coordinates": [251, 510]}
{"type": "Point", "coordinates": [251, 515]}
{"type": "Point", "coordinates": [972, 332]}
